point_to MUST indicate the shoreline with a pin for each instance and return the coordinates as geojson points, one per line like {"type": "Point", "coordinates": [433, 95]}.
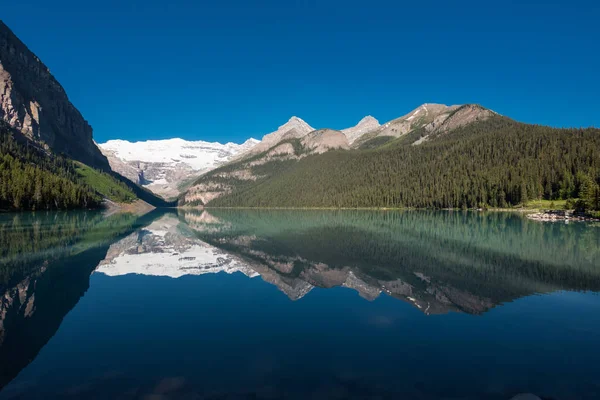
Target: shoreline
{"type": "Point", "coordinates": [533, 213]}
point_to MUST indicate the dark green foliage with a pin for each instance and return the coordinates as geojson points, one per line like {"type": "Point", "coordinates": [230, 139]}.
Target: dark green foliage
{"type": "Point", "coordinates": [47, 257]}
{"type": "Point", "coordinates": [498, 256]}
{"type": "Point", "coordinates": [496, 163]}
{"type": "Point", "coordinates": [105, 184]}
{"type": "Point", "coordinates": [31, 179]}
{"type": "Point", "coordinates": [376, 142]}
{"type": "Point", "coordinates": [590, 193]}
{"type": "Point", "coordinates": [28, 240]}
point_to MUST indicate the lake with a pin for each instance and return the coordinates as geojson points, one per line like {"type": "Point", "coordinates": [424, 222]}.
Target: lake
{"type": "Point", "coordinates": [231, 304]}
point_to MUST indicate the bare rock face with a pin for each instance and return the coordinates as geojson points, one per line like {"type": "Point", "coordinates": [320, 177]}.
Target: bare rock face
{"type": "Point", "coordinates": [365, 125]}
{"type": "Point", "coordinates": [34, 103]}
{"type": "Point", "coordinates": [324, 140]}
{"type": "Point", "coordinates": [419, 117]}
{"type": "Point", "coordinates": [432, 119]}
{"type": "Point", "coordinates": [465, 115]}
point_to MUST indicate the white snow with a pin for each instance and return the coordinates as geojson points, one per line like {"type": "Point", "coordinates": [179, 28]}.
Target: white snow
{"type": "Point", "coordinates": [199, 155]}
{"type": "Point", "coordinates": [163, 251]}
{"type": "Point", "coordinates": [197, 260]}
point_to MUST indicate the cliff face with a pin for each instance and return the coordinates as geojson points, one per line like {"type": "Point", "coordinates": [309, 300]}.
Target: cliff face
{"type": "Point", "coordinates": [33, 102]}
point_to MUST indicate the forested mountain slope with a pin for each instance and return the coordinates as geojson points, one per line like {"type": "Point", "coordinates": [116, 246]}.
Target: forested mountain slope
{"type": "Point", "coordinates": [492, 161]}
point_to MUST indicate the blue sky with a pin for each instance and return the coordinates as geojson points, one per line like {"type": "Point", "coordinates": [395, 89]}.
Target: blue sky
{"type": "Point", "coordinates": [227, 70]}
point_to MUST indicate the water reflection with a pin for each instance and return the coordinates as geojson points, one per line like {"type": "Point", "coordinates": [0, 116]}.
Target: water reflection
{"type": "Point", "coordinates": [438, 261]}
{"type": "Point", "coordinates": [45, 263]}
{"type": "Point", "coordinates": [171, 310]}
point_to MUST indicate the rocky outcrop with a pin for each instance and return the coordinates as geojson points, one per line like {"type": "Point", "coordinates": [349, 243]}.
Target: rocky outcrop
{"type": "Point", "coordinates": [318, 142]}
{"type": "Point", "coordinates": [430, 120]}
{"type": "Point", "coordinates": [565, 216]}
{"type": "Point", "coordinates": [417, 118]}
{"type": "Point", "coordinates": [35, 104]}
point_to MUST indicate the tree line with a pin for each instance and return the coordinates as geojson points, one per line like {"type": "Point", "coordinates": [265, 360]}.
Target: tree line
{"type": "Point", "coordinates": [31, 179]}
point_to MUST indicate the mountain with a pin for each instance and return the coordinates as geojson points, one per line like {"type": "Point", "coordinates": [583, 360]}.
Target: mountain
{"type": "Point", "coordinates": [252, 167]}
{"type": "Point", "coordinates": [428, 118]}
{"type": "Point", "coordinates": [48, 158]}
{"type": "Point", "coordinates": [164, 166]}
{"type": "Point", "coordinates": [365, 125]}
{"type": "Point", "coordinates": [295, 128]}
{"type": "Point", "coordinates": [436, 156]}
{"type": "Point", "coordinates": [35, 104]}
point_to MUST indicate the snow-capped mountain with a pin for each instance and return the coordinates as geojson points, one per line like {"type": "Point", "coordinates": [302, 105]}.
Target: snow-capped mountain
{"type": "Point", "coordinates": [164, 166]}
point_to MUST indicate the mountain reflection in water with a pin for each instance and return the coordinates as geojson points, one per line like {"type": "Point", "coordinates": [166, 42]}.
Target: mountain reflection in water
{"type": "Point", "coordinates": [437, 262]}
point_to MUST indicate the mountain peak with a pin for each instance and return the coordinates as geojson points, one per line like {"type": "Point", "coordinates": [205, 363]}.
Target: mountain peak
{"type": "Point", "coordinates": [369, 119]}
{"type": "Point", "coordinates": [299, 123]}
{"type": "Point", "coordinates": [365, 125]}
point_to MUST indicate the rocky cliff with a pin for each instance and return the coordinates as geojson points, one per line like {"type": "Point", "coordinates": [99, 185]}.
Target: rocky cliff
{"type": "Point", "coordinates": [34, 103]}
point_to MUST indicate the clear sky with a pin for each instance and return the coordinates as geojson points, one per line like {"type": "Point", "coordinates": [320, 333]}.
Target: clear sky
{"type": "Point", "coordinates": [225, 70]}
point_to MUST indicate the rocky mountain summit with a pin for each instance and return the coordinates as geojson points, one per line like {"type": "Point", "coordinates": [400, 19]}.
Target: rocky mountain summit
{"type": "Point", "coordinates": [367, 124]}
{"type": "Point", "coordinates": [295, 128]}
{"type": "Point", "coordinates": [428, 118]}
{"type": "Point", "coordinates": [35, 104]}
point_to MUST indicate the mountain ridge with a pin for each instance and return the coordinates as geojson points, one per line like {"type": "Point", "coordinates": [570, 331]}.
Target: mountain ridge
{"type": "Point", "coordinates": [453, 157]}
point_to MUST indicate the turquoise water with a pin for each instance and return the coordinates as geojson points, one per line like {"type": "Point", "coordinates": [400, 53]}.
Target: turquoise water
{"type": "Point", "coordinates": [298, 304]}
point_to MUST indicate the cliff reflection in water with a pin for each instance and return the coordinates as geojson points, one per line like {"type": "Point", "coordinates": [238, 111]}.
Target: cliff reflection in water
{"type": "Point", "coordinates": [45, 264]}
{"type": "Point", "coordinates": [438, 261]}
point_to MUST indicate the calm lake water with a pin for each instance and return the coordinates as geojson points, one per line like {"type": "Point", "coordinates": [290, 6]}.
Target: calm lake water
{"type": "Point", "coordinates": [298, 304]}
